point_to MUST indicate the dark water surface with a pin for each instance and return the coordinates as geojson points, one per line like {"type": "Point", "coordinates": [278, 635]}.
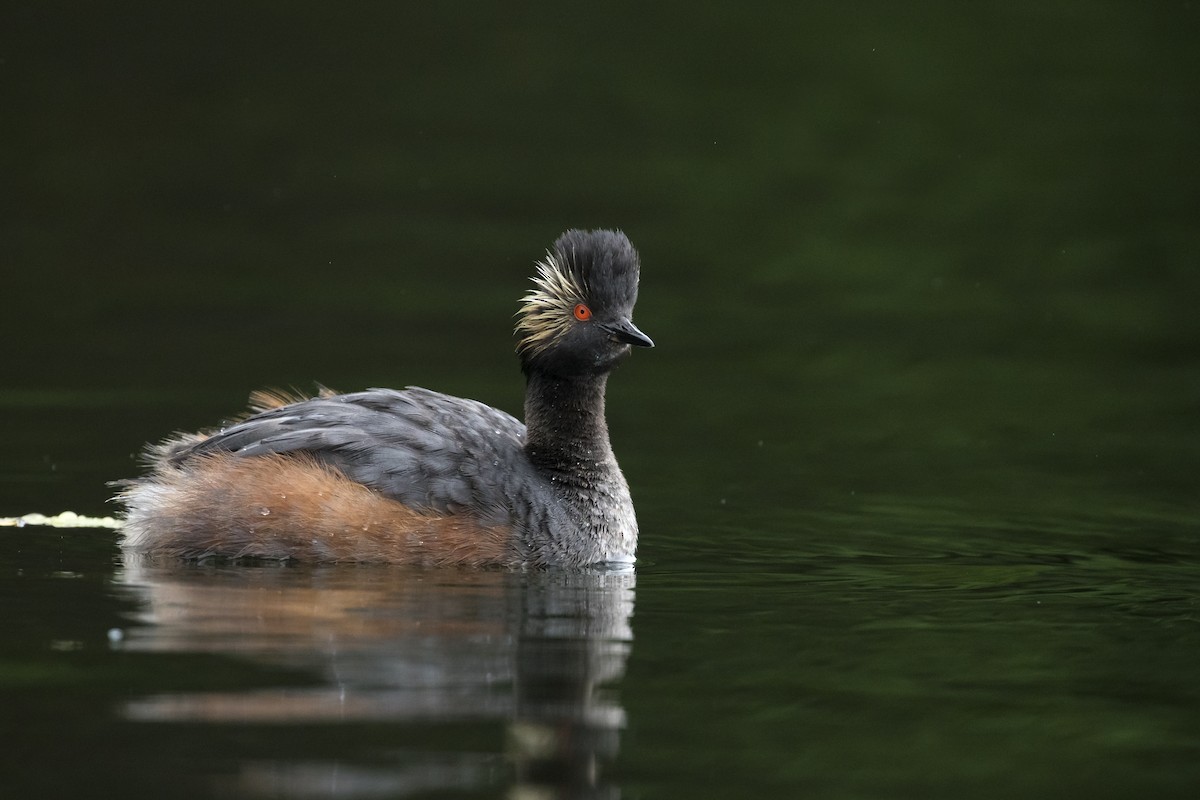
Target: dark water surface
{"type": "Point", "coordinates": [916, 457]}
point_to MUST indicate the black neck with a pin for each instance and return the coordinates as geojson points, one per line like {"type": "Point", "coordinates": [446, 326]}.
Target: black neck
{"type": "Point", "coordinates": [564, 421]}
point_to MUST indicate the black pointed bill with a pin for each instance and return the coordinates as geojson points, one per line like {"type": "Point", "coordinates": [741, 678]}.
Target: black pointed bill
{"type": "Point", "coordinates": [626, 332]}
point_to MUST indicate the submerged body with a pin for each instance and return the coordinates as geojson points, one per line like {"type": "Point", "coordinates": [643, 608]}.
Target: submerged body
{"type": "Point", "coordinates": [416, 476]}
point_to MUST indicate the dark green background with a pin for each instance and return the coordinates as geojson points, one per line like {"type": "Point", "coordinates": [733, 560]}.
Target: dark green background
{"type": "Point", "coordinates": [922, 278]}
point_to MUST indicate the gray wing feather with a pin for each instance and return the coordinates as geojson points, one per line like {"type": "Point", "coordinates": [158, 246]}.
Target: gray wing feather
{"type": "Point", "coordinates": [426, 449]}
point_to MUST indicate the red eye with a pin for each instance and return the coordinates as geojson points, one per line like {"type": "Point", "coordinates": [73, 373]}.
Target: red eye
{"type": "Point", "coordinates": [582, 313]}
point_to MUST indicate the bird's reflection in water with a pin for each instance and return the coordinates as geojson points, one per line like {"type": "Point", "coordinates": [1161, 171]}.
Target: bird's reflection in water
{"type": "Point", "coordinates": [537, 654]}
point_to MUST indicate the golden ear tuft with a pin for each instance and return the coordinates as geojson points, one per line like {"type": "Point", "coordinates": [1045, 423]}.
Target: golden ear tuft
{"type": "Point", "coordinates": [547, 310]}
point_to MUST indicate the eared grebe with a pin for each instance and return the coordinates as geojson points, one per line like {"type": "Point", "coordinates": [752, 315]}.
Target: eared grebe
{"type": "Point", "coordinates": [419, 477]}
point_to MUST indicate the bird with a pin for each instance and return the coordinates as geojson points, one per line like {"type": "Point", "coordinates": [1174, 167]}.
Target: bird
{"type": "Point", "coordinates": [415, 476]}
